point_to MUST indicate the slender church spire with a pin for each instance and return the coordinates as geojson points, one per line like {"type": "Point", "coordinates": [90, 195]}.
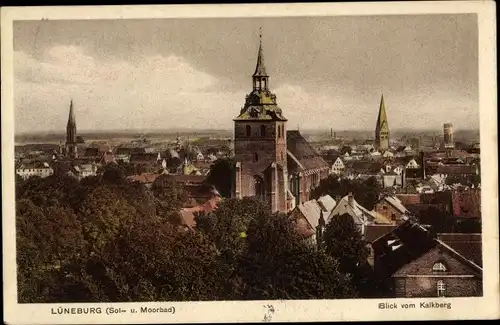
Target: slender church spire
{"type": "Point", "coordinates": [260, 68]}
{"type": "Point", "coordinates": [71, 126]}
{"type": "Point", "coordinates": [260, 77]}
{"type": "Point", "coordinates": [382, 127]}
{"type": "Point", "coordinates": [71, 132]}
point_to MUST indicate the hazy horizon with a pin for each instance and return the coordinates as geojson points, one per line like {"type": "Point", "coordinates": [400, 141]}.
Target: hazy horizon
{"type": "Point", "coordinates": [327, 72]}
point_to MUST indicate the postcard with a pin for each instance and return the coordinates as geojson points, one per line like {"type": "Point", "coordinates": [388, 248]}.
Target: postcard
{"type": "Point", "coordinates": [250, 163]}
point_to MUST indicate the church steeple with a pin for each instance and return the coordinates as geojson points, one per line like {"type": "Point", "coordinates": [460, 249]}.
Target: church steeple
{"type": "Point", "coordinates": [71, 126]}
{"type": "Point", "coordinates": [382, 127]}
{"type": "Point", "coordinates": [260, 77]}
{"type": "Point", "coordinates": [71, 132]}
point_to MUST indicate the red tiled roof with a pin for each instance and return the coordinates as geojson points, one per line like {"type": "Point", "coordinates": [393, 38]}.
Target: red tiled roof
{"type": "Point", "coordinates": [144, 178]}
{"type": "Point", "coordinates": [457, 169]}
{"type": "Point", "coordinates": [409, 199]}
{"type": "Point", "coordinates": [188, 179]}
{"type": "Point", "coordinates": [467, 204]}
{"type": "Point", "coordinates": [188, 214]}
{"type": "Point", "coordinates": [373, 232]}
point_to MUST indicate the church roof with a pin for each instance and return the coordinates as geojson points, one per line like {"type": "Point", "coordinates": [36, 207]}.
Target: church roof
{"type": "Point", "coordinates": [382, 115]}
{"type": "Point", "coordinates": [71, 117]}
{"type": "Point", "coordinates": [260, 68]}
{"type": "Point", "coordinates": [302, 151]}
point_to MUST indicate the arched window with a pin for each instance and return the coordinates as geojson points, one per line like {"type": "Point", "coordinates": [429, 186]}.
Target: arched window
{"type": "Point", "coordinates": [255, 157]}
{"type": "Point", "coordinates": [248, 130]}
{"type": "Point", "coordinates": [262, 130]}
{"type": "Point", "coordinates": [441, 288]}
{"type": "Point", "coordinates": [439, 267]}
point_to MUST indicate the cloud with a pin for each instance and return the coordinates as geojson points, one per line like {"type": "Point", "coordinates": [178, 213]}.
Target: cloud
{"type": "Point", "coordinates": [154, 92]}
{"type": "Point", "coordinates": [167, 91]}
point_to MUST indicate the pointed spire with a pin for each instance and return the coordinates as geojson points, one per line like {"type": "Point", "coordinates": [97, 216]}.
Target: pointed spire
{"type": "Point", "coordinates": [260, 69]}
{"type": "Point", "coordinates": [382, 115]}
{"type": "Point", "coordinates": [71, 118]}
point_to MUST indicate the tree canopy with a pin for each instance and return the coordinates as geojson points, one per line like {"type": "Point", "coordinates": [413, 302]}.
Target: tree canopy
{"type": "Point", "coordinates": [105, 238]}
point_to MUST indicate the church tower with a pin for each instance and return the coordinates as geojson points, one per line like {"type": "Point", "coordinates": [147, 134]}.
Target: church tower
{"type": "Point", "coordinates": [260, 144]}
{"type": "Point", "coordinates": [382, 128]}
{"type": "Point", "coordinates": [71, 147]}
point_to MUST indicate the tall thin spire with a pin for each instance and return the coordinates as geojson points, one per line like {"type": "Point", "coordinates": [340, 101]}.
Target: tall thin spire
{"type": "Point", "coordinates": [71, 118]}
{"type": "Point", "coordinates": [382, 127]}
{"type": "Point", "coordinates": [260, 69]}
{"type": "Point", "coordinates": [382, 115]}
{"type": "Point", "coordinates": [71, 126]}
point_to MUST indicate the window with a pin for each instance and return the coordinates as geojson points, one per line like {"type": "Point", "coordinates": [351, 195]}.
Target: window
{"type": "Point", "coordinates": [255, 157]}
{"type": "Point", "coordinates": [439, 267]}
{"type": "Point", "coordinates": [262, 130]}
{"type": "Point", "coordinates": [248, 130]}
{"type": "Point", "coordinates": [279, 131]}
{"type": "Point", "coordinates": [441, 288]}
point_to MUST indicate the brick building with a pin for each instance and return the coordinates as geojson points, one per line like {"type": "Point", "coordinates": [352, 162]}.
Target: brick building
{"type": "Point", "coordinates": [414, 262]}
{"type": "Point", "coordinates": [263, 150]}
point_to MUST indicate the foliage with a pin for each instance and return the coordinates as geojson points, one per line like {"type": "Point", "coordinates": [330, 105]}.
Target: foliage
{"type": "Point", "coordinates": [168, 197]}
{"type": "Point", "coordinates": [343, 242]}
{"type": "Point", "coordinates": [107, 239]}
{"type": "Point", "coordinates": [221, 175]}
{"type": "Point", "coordinates": [345, 149]}
{"type": "Point", "coordinates": [280, 265]}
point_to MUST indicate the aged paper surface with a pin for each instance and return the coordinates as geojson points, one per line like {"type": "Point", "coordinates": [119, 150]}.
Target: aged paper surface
{"type": "Point", "coordinates": [364, 119]}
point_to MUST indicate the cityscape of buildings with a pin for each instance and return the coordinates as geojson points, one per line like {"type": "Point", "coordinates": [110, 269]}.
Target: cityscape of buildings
{"type": "Point", "coordinates": [424, 183]}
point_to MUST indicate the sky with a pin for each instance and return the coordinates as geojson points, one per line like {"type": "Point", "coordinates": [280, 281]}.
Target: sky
{"type": "Point", "coordinates": [327, 72]}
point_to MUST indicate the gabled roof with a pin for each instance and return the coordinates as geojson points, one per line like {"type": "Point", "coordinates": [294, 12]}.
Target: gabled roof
{"type": "Point", "coordinates": [468, 245]}
{"type": "Point", "coordinates": [396, 203]}
{"type": "Point", "coordinates": [359, 214]}
{"type": "Point", "coordinates": [407, 243]}
{"type": "Point", "coordinates": [303, 152]}
{"type": "Point", "coordinates": [374, 232]}
{"type": "Point", "coordinates": [327, 203]}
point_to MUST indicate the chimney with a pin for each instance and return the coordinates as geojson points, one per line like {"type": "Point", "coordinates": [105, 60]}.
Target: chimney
{"type": "Point", "coordinates": [350, 199]}
{"type": "Point", "coordinates": [422, 164]}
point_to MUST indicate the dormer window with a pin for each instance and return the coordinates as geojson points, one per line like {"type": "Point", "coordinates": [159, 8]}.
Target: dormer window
{"type": "Point", "coordinates": [439, 267]}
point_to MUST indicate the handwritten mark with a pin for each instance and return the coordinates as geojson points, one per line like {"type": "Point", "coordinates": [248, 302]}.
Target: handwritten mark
{"type": "Point", "coordinates": [269, 313]}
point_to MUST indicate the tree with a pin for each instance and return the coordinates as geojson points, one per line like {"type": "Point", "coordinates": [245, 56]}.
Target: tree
{"type": "Point", "coordinates": [278, 264]}
{"type": "Point", "coordinates": [49, 190]}
{"type": "Point", "coordinates": [345, 149]}
{"type": "Point", "coordinates": [113, 173]}
{"type": "Point", "coordinates": [103, 213]}
{"type": "Point", "coordinates": [228, 222]}
{"type": "Point", "coordinates": [48, 239]}
{"type": "Point", "coordinates": [366, 193]}
{"type": "Point", "coordinates": [343, 242]}
{"type": "Point", "coordinates": [221, 175]}
{"type": "Point", "coordinates": [169, 198]}
{"type": "Point", "coordinates": [156, 262]}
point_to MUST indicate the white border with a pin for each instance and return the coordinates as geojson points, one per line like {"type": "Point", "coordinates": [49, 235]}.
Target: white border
{"type": "Point", "coordinates": [486, 307]}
